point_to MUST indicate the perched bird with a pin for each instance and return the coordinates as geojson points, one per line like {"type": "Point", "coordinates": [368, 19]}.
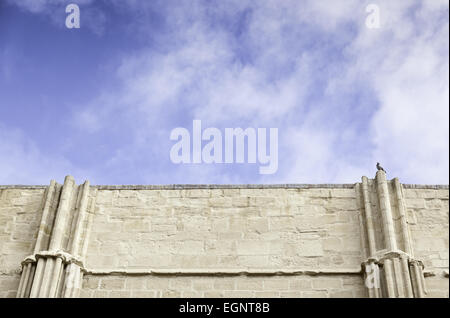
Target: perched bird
{"type": "Point", "coordinates": [380, 167]}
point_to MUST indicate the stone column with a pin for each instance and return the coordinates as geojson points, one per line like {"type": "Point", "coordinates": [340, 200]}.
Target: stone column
{"type": "Point", "coordinates": [386, 212]}
{"type": "Point", "coordinates": [390, 268]}
{"type": "Point", "coordinates": [55, 268]}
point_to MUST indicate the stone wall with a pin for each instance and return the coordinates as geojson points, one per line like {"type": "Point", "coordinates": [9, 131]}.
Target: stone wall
{"type": "Point", "coordinates": [221, 241]}
{"type": "Point", "coordinates": [19, 219]}
{"type": "Point", "coordinates": [430, 232]}
{"type": "Point", "coordinates": [216, 285]}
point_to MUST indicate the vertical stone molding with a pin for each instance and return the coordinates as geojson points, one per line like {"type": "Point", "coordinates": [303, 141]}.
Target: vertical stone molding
{"type": "Point", "coordinates": [390, 267]}
{"type": "Point", "coordinates": [55, 268]}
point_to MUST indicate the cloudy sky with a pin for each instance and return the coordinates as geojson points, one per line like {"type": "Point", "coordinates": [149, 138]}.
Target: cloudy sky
{"type": "Point", "coordinates": [99, 102]}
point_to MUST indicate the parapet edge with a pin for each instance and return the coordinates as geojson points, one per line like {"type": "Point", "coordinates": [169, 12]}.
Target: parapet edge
{"type": "Point", "coordinates": [228, 186]}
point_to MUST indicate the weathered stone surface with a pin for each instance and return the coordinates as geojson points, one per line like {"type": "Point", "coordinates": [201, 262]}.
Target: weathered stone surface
{"type": "Point", "coordinates": [209, 229]}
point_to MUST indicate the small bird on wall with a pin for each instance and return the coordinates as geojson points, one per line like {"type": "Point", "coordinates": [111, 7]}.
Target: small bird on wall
{"type": "Point", "coordinates": [380, 167]}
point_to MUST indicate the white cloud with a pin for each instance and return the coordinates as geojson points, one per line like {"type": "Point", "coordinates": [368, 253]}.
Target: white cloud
{"type": "Point", "coordinates": [22, 162]}
{"type": "Point", "coordinates": [91, 17]}
{"type": "Point", "coordinates": [405, 64]}
{"type": "Point", "coordinates": [270, 73]}
{"type": "Point", "coordinates": [408, 63]}
{"type": "Point", "coordinates": [44, 6]}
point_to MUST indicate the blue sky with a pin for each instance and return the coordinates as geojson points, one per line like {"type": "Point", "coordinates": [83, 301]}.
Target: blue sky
{"type": "Point", "coordinates": [99, 102]}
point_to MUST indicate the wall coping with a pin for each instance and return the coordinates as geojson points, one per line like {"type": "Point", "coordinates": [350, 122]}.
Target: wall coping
{"type": "Point", "coordinates": [228, 186]}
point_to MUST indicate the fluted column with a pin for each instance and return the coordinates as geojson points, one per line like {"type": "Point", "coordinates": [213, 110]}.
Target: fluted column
{"type": "Point", "coordinates": [389, 253]}
{"type": "Point", "coordinates": [74, 275]}
{"type": "Point", "coordinates": [55, 268]}
{"type": "Point", "coordinates": [386, 212]}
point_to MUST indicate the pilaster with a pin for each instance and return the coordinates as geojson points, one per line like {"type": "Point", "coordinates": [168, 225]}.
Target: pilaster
{"type": "Point", "coordinates": [389, 266]}
{"type": "Point", "coordinates": [55, 267]}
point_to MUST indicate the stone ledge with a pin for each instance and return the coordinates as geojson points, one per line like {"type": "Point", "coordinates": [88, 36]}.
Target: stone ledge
{"type": "Point", "coordinates": [24, 187]}
{"type": "Point", "coordinates": [426, 186]}
{"type": "Point", "coordinates": [227, 186]}
{"type": "Point", "coordinates": [222, 272]}
{"type": "Point", "coordinates": [223, 186]}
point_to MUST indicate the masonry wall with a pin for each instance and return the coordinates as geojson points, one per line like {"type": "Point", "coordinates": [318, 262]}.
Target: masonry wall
{"type": "Point", "coordinates": [19, 219]}
{"type": "Point", "coordinates": [227, 231]}
{"type": "Point", "coordinates": [428, 211]}
{"type": "Point", "coordinates": [230, 241]}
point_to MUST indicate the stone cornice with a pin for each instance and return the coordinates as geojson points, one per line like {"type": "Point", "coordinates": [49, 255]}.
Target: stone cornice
{"type": "Point", "coordinates": [229, 186]}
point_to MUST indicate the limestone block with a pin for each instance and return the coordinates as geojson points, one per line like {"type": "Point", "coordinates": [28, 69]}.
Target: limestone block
{"type": "Point", "coordinates": [110, 283]}
{"type": "Point", "coordinates": [276, 284]}
{"type": "Point", "coordinates": [143, 294]}
{"type": "Point", "coordinates": [137, 225]}
{"type": "Point", "coordinates": [415, 203]}
{"type": "Point", "coordinates": [91, 282]}
{"type": "Point", "coordinates": [119, 294]}
{"type": "Point", "coordinates": [341, 294]}
{"type": "Point", "coordinates": [256, 261]}
{"type": "Point", "coordinates": [180, 284]}
{"type": "Point", "coordinates": [100, 294]}
{"type": "Point", "coordinates": [300, 284]}
{"type": "Point", "coordinates": [332, 244]}
{"type": "Point", "coordinates": [251, 284]}
{"type": "Point", "coordinates": [213, 294]}
{"type": "Point", "coordinates": [327, 283]}
{"type": "Point", "coordinates": [196, 193]}
{"type": "Point", "coordinates": [191, 294]}
{"type": "Point", "coordinates": [267, 294]}
{"type": "Point", "coordinates": [226, 284]}
{"type": "Point", "coordinates": [252, 248]}
{"type": "Point", "coordinates": [238, 294]}
{"type": "Point", "coordinates": [203, 284]}
{"type": "Point", "coordinates": [310, 248]}
{"type": "Point", "coordinates": [157, 283]}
